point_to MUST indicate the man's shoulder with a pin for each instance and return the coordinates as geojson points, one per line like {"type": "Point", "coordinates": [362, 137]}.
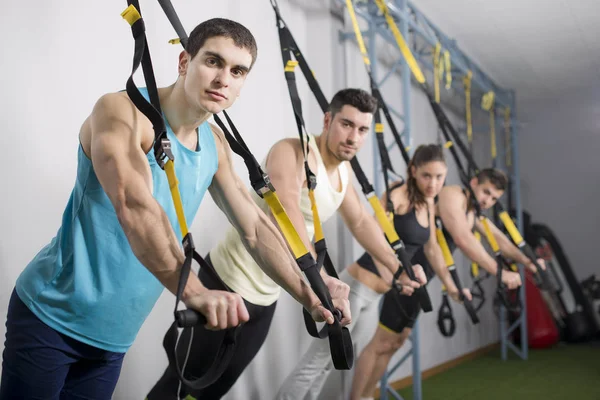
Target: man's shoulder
{"type": "Point", "coordinates": [451, 194]}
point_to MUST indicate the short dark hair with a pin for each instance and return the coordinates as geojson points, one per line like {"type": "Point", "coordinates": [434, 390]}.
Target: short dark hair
{"type": "Point", "coordinates": [495, 176]}
{"type": "Point", "coordinates": [214, 27]}
{"type": "Point", "coordinates": [356, 98]}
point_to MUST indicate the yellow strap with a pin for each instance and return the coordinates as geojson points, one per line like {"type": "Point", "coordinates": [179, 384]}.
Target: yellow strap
{"type": "Point", "coordinates": [448, 259]}
{"type": "Point", "coordinates": [489, 235]}
{"type": "Point", "coordinates": [448, 69]}
{"type": "Point", "coordinates": [384, 222]}
{"type": "Point", "coordinates": [507, 137]}
{"type": "Point", "coordinates": [474, 265]}
{"type": "Point", "coordinates": [467, 83]}
{"type": "Point", "coordinates": [404, 49]}
{"type": "Point", "coordinates": [487, 103]}
{"type": "Point", "coordinates": [131, 14]}
{"type": "Point", "coordinates": [316, 219]}
{"type": "Point", "coordinates": [359, 38]}
{"type": "Point", "coordinates": [172, 178]}
{"type": "Point", "coordinates": [511, 228]}
{"type": "Point", "coordinates": [290, 66]}
{"type": "Point", "coordinates": [436, 72]}
{"type": "Point", "coordinates": [286, 226]}
{"type": "Point", "coordinates": [493, 134]}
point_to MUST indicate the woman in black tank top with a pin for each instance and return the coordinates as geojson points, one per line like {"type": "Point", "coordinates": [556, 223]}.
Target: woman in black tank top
{"type": "Point", "coordinates": [412, 203]}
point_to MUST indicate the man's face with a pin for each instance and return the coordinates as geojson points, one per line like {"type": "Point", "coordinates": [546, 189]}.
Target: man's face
{"type": "Point", "coordinates": [430, 177]}
{"type": "Point", "coordinates": [346, 131]}
{"type": "Point", "coordinates": [487, 194]}
{"type": "Point", "coordinates": [215, 76]}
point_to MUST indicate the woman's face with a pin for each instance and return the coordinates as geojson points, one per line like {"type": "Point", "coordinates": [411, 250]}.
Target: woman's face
{"type": "Point", "coordinates": [430, 177]}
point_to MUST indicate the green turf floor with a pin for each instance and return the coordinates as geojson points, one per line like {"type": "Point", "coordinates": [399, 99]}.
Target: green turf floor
{"type": "Point", "coordinates": [565, 372]}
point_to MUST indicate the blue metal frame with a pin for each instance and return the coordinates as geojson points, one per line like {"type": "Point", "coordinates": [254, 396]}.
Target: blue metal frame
{"type": "Point", "coordinates": [407, 16]}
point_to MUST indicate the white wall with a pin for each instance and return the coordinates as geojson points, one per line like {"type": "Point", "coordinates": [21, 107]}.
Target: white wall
{"type": "Point", "coordinates": [53, 72]}
{"type": "Point", "coordinates": [559, 147]}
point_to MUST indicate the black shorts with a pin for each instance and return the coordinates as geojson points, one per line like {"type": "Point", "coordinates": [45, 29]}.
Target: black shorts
{"type": "Point", "coordinates": [399, 312]}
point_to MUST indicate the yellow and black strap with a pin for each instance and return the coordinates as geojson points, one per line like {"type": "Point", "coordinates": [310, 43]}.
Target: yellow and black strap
{"type": "Point", "coordinates": [164, 158]}
{"type": "Point", "coordinates": [367, 188]}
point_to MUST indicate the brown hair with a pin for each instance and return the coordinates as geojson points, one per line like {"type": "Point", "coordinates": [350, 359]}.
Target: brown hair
{"type": "Point", "coordinates": [215, 27]}
{"type": "Point", "coordinates": [495, 176]}
{"type": "Point", "coordinates": [424, 154]}
{"type": "Point", "coordinates": [356, 98]}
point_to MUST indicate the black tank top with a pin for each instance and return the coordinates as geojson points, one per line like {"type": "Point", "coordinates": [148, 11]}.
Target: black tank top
{"type": "Point", "coordinates": [412, 233]}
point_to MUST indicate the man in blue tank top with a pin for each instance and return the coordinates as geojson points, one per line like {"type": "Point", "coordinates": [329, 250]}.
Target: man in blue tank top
{"type": "Point", "coordinates": [79, 304]}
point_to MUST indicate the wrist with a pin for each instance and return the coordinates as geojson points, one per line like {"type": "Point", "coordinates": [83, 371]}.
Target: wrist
{"type": "Point", "coordinates": [192, 289]}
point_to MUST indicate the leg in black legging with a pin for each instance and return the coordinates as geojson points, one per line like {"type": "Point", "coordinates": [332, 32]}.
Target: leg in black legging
{"type": "Point", "coordinates": [198, 354]}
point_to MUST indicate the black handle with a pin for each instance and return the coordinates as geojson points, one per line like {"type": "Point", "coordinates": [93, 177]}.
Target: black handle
{"type": "Point", "coordinates": [466, 302]}
{"type": "Point", "coordinates": [189, 318]}
{"type": "Point", "coordinates": [446, 322]}
{"type": "Point", "coordinates": [541, 274]}
{"type": "Point", "coordinates": [421, 293]}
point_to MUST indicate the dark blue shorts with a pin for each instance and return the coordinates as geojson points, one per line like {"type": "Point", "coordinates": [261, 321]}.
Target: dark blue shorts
{"type": "Point", "coordinates": [40, 363]}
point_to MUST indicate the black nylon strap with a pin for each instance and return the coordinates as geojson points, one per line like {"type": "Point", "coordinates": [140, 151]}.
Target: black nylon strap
{"type": "Point", "coordinates": [339, 338]}
{"type": "Point", "coordinates": [446, 322]}
{"type": "Point", "coordinates": [466, 302]}
{"type": "Point", "coordinates": [152, 110]}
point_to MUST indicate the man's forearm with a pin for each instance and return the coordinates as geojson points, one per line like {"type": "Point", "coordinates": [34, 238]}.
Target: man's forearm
{"type": "Point", "coordinates": [475, 251]}
{"type": "Point", "coordinates": [509, 249]}
{"type": "Point", "coordinates": [276, 260]}
{"type": "Point", "coordinates": [156, 246]}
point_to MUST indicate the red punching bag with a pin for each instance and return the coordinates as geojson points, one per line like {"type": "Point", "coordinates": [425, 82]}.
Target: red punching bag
{"type": "Point", "coordinates": [541, 329]}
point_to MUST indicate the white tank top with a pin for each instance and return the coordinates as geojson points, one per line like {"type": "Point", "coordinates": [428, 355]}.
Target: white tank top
{"type": "Point", "coordinates": [235, 265]}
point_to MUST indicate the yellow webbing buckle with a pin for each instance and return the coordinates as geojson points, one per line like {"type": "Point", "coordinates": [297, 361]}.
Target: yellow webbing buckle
{"type": "Point", "coordinates": [379, 128]}
{"type": "Point", "coordinates": [131, 14]}
{"type": "Point", "coordinates": [290, 66]}
{"type": "Point", "coordinates": [448, 144]}
{"type": "Point", "coordinates": [175, 41]}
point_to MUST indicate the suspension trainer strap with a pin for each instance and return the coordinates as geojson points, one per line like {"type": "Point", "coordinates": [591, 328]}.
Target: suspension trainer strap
{"type": "Point", "coordinates": [289, 48]}
{"type": "Point", "coordinates": [385, 223]}
{"type": "Point", "coordinates": [164, 157]}
{"type": "Point", "coordinates": [453, 272]}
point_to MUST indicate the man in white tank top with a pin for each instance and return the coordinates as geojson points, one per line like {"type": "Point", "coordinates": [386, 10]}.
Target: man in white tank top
{"type": "Point", "coordinates": [344, 129]}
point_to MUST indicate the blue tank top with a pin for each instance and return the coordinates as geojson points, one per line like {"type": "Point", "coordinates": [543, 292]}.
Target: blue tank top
{"type": "Point", "coordinates": [87, 283]}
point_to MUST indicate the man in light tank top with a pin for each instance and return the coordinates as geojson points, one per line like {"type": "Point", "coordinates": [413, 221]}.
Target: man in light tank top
{"type": "Point", "coordinates": [345, 128]}
{"type": "Point", "coordinates": [79, 304]}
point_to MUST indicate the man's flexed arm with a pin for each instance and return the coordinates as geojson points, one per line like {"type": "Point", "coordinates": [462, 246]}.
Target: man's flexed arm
{"type": "Point", "coordinates": [117, 134]}
{"type": "Point", "coordinates": [507, 247]}
{"type": "Point", "coordinates": [452, 212]}
{"type": "Point", "coordinates": [270, 252]}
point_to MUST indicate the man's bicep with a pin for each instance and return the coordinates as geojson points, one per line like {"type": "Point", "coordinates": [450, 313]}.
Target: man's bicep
{"type": "Point", "coordinates": [116, 153]}
{"type": "Point", "coordinates": [227, 189]}
{"type": "Point", "coordinates": [351, 209]}
{"type": "Point", "coordinates": [453, 216]}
